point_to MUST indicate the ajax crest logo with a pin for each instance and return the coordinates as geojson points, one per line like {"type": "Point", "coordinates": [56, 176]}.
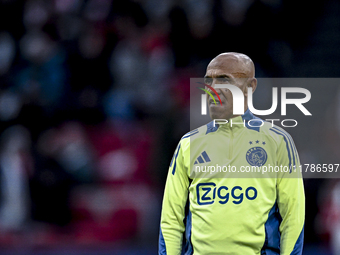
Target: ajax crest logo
{"type": "Point", "coordinates": [256, 156]}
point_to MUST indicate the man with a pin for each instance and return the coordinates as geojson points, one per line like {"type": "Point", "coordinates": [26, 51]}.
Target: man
{"type": "Point", "coordinates": [226, 212]}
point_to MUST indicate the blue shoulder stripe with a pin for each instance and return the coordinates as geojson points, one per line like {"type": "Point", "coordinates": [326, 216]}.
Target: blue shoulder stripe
{"type": "Point", "coordinates": [174, 169]}
{"type": "Point", "coordinates": [161, 244]}
{"type": "Point", "coordinates": [299, 244]}
{"type": "Point", "coordinates": [194, 132]}
{"type": "Point", "coordinates": [287, 134]}
{"type": "Point", "coordinates": [290, 142]}
{"type": "Point", "coordinates": [174, 154]}
{"type": "Point", "coordinates": [292, 145]}
{"type": "Point", "coordinates": [284, 137]}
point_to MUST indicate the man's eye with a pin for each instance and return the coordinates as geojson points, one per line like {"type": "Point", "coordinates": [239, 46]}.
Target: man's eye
{"type": "Point", "coordinates": [223, 80]}
{"type": "Point", "coordinates": [208, 81]}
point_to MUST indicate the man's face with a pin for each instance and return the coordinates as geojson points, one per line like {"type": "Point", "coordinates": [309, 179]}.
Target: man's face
{"type": "Point", "coordinates": [225, 70]}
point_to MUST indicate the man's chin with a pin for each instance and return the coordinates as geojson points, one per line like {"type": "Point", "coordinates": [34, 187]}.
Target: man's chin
{"type": "Point", "coordinates": [220, 112]}
{"type": "Point", "coordinates": [218, 115]}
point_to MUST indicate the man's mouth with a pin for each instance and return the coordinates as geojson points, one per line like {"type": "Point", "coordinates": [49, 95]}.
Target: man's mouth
{"type": "Point", "coordinates": [211, 102]}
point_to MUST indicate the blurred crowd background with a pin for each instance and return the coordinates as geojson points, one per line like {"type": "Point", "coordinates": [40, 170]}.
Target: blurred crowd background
{"type": "Point", "coordinates": [94, 96]}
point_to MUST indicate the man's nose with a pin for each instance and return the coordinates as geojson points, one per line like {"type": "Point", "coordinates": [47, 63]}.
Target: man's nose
{"type": "Point", "coordinates": [218, 90]}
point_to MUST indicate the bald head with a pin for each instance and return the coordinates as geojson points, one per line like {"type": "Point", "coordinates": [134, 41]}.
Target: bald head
{"type": "Point", "coordinates": [240, 65]}
{"type": "Point", "coordinates": [230, 68]}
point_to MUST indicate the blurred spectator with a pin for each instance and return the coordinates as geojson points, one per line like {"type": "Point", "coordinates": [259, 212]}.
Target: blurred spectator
{"type": "Point", "coordinates": [140, 65]}
{"type": "Point", "coordinates": [328, 218]}
{"type": "Point", "coordinates": [16, 167]}
{"type": "Point", "coordinates": [42, 78]}
{"type": "Point", "coordinates": [64, 160]}
{"type": "Point", "coordinates": [69, 146]}
{"type": "Point", "coordinates": [180, 36]}
{"type": "Point", "coordinates": [122, 157]}
{"type": "Point", "coordinates": [95, 10]}
{"type": "Point", "coordinates": [7, 52]}
{"type": "Point", "coordinates": [10, 105]}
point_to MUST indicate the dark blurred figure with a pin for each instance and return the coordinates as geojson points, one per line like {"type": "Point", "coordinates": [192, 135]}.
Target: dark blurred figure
{"type": "Point", "coordinates": [64, 161]}
{"type": "Point", "coordinates": [16, 167]}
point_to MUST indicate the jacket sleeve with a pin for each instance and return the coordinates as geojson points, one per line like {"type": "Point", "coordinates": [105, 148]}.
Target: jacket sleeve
{"type": "Point", "coordinates": [290, 198]}
{"type": "Point", "coordinates": [175, 198]}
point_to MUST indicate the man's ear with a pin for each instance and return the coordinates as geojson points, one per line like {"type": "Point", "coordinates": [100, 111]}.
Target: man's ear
{"type": "Point", "coordinates": [252, 84]}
